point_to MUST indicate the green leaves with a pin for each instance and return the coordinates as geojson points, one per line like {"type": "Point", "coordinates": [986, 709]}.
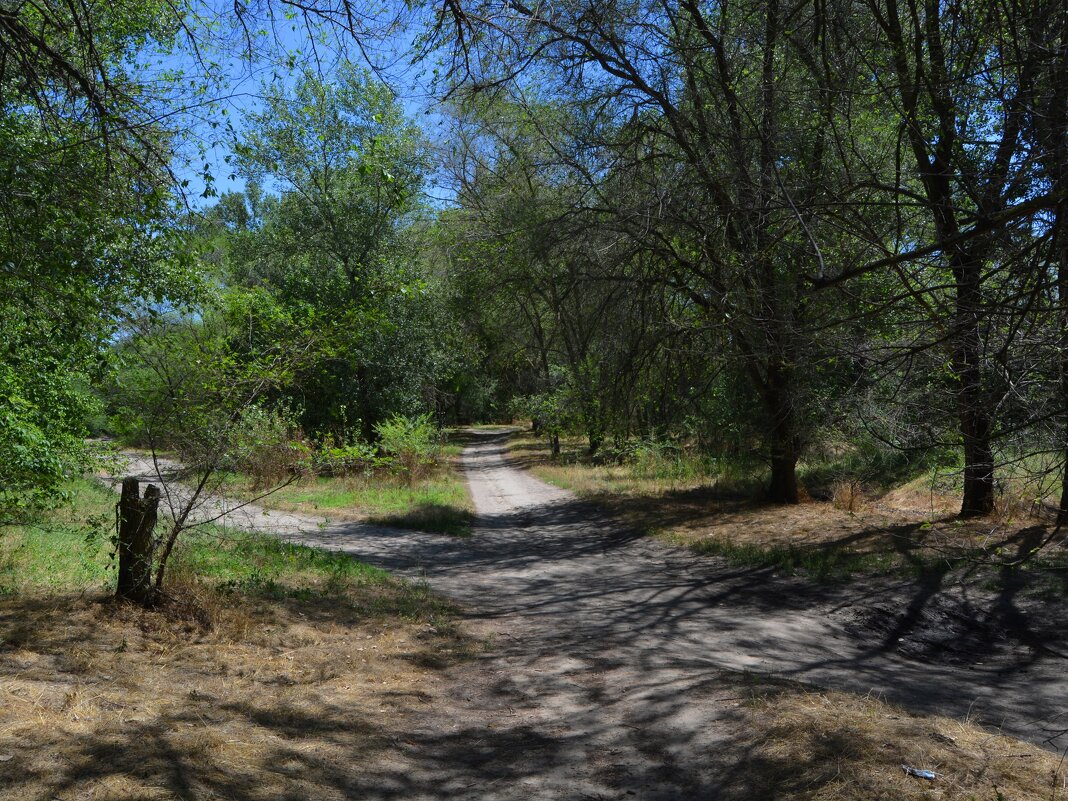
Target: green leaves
{"type": "Point", "coordinates": [87, 234]}
{"type": "Point", "coordinates": [328, 256]}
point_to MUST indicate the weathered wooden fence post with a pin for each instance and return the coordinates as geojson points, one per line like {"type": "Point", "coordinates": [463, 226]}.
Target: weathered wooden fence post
{"type": "Point", "coordinates": [137, 519]}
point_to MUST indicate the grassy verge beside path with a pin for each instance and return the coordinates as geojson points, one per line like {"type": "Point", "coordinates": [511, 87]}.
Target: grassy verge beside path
{"type": "Point", "coordinates": [277, 671]}
{"type": "Point", "coordinates": [438, 502]}
{"type": "Point", "coordinates": [271, 671]}
{"type": "Point", "coordinates": [801, 744]}
{"type": "Point", "coordinates": [714, 510]}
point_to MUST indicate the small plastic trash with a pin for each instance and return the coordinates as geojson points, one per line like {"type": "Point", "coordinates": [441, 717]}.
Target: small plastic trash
{"type": "Point", "coordinates": [930, 775]}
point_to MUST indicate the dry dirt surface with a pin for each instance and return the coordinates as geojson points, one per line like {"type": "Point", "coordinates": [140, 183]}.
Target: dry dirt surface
{"type": "Point", "coordinates": [617, 661]}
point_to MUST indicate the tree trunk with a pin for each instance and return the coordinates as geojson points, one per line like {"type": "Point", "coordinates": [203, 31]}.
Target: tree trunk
{"type": "Point", "coordinates": [785, 444]}
{"type": "Point", "coordinates": [596, 439]}
{"type": "Point", "coordinates": [784, 487]}
{"type": "Point", "coordinates": [137, 520]}
{"type": "Point", "coordinates": [1061, 250]}
{"type": "Point", "coordinates": [554, 444]}
{"type": "Point", "coordinates": [978, 475]}
{"type": "Point", "coordinates": [976, 423]}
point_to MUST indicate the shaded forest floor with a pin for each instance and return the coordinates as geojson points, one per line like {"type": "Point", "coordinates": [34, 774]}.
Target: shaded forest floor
{"type": "Point", "coordinates": [282, 672]}
{"type": "Point", "coordinates": [909, 530]}
{"type": "Point", "coordinates": [271, 671]}
{"type": "Point", "coordinates": [286, 699]}
{"type": "Point", "coordinates": [249, 699]}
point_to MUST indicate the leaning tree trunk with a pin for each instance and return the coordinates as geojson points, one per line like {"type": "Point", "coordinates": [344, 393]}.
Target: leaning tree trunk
{"type": "Point", "coordinates": [137, 520]}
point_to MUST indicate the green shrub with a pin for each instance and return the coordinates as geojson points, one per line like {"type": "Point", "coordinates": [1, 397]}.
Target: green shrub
{"type": "Point", "coordinates": [413, 443]}
{"type": "Point", "coordinates": [356, 458]}
{"type": "Point", "coordinates": [262, 445]}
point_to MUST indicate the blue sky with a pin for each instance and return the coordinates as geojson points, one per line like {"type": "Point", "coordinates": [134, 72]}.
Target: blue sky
{"type": "Point", "coordinates": [229, 84]}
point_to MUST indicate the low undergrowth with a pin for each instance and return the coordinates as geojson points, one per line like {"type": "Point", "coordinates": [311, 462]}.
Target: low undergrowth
{"type": "Point", "coordinates": [714, 509]}
{"type": "Point", "coordinates": [820, 564]}
{"type": "Point", "coordinates": [647, 469]}
{"type": "Point", "coordinates": [71, 549]}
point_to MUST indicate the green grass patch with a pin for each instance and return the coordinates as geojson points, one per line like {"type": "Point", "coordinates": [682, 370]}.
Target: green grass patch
{"type": "Point", "coordinates": [70, 550]}
{"type": "Point", "coordinates": [259, 565]}
{"type": "Point", "coordinates": [67, 548]}
{"type": "Point", "coordinates": [453, 520]}
{"type": "Point", "coordinates": [439, 503]}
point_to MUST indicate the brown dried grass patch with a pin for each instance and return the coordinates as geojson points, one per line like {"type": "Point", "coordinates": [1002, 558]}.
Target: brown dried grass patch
{"type": "Point", "coordinates": [832, 746]}
{"type": "Point", "coordinates": [847, 496]}
{"type": "Point", "coordinates": [212, 695]}
{"type": "Point", "coordinates": [921, 498]}
{"type": "Point", "coordinates": [908, 526]}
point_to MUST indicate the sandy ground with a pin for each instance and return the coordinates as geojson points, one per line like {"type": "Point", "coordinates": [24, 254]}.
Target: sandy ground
{"type": "Point", "coordinates": [612, 653]}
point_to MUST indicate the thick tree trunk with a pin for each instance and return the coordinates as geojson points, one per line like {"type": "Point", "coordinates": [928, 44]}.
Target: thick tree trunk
{"type": "Point", "coordinates": [1062, 511]}
{"type": "Point", "coordinates": [784, 441]}
{"type": "Point", "coordinates": [1061, 249]}
{"type": "Point", "coordinates": [137, 521]}
{"type": "Point", "coordinates": [978, 472]}
{"type": "Point", "coordinates": [976, 423]}
{"type": "Point", "coordinates": [596, 439]}
{"type": "Point", "coordinates": [783, 487]}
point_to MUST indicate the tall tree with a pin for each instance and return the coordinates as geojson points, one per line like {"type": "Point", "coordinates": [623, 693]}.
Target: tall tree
{"type": "Point", "coordinates": [963, 78]}
{"type": "Point", "coordinates": [725, 121]}
{"type": "Point", "coordinates": [334, 240]}
{"type": "Point", "coordinates": [86, 213]}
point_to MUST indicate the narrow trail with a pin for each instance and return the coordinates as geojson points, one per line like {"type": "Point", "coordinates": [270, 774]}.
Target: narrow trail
{"type": "Point", "coordinates": [606, 675]}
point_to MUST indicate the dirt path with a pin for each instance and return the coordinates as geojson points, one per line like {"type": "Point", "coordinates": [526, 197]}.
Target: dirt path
{"type": "Point", "coordinates": [611, 652]}
{"type": "Point", "coordinates": [228, 511]}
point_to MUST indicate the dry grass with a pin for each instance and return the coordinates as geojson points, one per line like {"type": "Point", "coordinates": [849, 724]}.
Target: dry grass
{"type": "Point", "coordinates": [297, 683]}
{"type": "Point", "coordinates": [847, 496]}
{"type": "Point", "coordinates": [831, 746]}
{"type": "Point", "coordinates": [910, 527]}
{"type": "Point", "coordinates": [272, 671]}
{"type": "Point", "coordinates": [572, 471]}
{"type": "Point", "coordinates": [797, 744]}
{"type": "Point", "coordinates": [215, 695]}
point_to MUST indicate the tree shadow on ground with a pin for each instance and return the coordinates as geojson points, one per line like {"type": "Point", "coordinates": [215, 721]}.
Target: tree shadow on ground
{"type": "Point", "coordinates": [548, 727]}
{"type": "Point", "coordinates": [283, 697]}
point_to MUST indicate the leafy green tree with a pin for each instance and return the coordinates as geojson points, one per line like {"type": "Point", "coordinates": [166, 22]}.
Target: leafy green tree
{"type": "Point", "coordinates": [334, 242]}
{"type": "Point", "coordinates": [86, 231]}
{"type": "Point", "coordinates": [710, 137]}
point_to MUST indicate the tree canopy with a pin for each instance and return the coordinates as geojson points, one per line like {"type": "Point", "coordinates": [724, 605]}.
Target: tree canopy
{"type": "Point", "coordinates": [760, 230]}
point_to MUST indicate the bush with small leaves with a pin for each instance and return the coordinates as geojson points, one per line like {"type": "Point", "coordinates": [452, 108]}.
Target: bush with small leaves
{"type": "Point", "coordinates": [413, 443]}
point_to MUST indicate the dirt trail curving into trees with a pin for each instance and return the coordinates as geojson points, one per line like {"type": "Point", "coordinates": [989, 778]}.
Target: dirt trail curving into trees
{"type": "Point", "coordinates": [611, 652]}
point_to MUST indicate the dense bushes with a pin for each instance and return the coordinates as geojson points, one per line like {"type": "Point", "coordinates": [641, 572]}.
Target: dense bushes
{"type": "Point", "coordinates": [412, 444]}
{"type": "Point", "coordinates": [408, 448]}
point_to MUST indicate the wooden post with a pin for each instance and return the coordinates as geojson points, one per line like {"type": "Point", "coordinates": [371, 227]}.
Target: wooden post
{"type": "Point", "coordinates": [137, 519]}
